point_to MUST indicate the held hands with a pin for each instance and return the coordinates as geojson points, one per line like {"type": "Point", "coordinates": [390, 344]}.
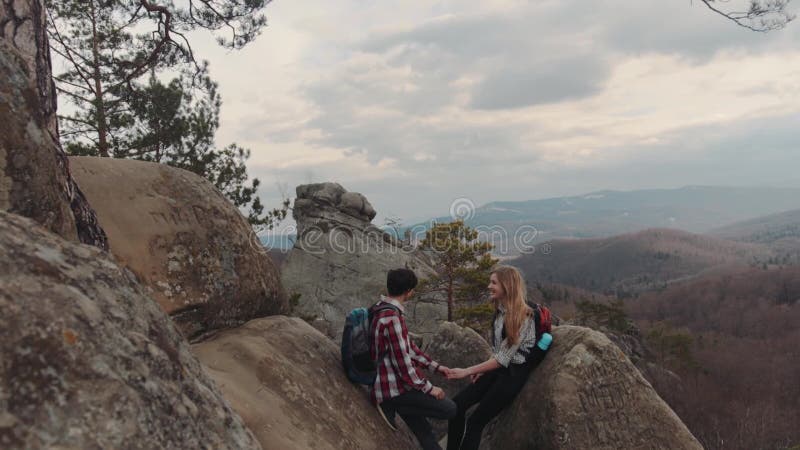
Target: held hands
{"type": "Point", "coordinates": [457, 374]}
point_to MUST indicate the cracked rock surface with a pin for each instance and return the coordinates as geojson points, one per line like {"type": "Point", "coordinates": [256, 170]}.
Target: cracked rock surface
{"type": "Point", "coordinates": [88, 360]}
{"type": "Point", "coordinates": [286, 381]}
{"type": "Point", "coordinates": [185, 241]}
{"type": "Point", "coordinates": [587, 394]}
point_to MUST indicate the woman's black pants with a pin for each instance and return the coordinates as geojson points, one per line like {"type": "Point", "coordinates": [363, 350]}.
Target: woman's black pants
{"type": "Point", "coordinates": [493, 391]}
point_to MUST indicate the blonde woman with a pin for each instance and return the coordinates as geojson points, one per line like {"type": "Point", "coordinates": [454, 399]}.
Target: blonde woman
{"type": "Point", "coordinates": [498, 380]}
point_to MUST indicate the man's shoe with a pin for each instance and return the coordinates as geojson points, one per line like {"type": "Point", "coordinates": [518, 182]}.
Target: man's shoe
{"type": "Point", "coordinates": [388, 416]}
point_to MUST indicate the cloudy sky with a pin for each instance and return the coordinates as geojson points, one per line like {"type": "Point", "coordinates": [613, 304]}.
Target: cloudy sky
{"type": "Point", "coordinates": [417, 103]}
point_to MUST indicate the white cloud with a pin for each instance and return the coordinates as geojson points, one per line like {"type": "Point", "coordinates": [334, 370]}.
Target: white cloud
{"type": "Point", "coordinates": [504, 100]}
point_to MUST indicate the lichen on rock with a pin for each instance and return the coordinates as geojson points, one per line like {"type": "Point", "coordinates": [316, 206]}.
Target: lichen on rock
{"type": "Point", "coordinates": [185, 241]}
{"type": "Point", "coordinates": [88, 360]}
{"type": "Point", "coordinates": [587, 394]}
{"type": "Point", "coordinates": [286, 381]}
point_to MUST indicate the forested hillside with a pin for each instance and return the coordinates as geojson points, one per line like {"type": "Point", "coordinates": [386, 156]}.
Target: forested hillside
{"type": "Point", "coordinates": [631, 263]}
{"type": "Point", "coordinates": [739, 387]}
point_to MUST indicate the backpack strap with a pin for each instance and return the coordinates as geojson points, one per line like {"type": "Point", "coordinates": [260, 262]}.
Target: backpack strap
{"type": "Point", "coordinates": [372, 312]}
{"type": "Point", "coordinates": [494, 319]}
{"type": "Point", "coordinates": [378, 307]}
{"type": "Point", "coordinates": [537, 321]}
{"type": "Point", "coordinates": [537, 317]}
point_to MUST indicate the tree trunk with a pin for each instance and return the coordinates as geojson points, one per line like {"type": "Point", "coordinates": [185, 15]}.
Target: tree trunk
{"type": "Point", "coordinates": [451, 304]}
{"type": "Point", "coordinates": [99, 101]}
{"type": "Point", "coordinates": [34, 171]}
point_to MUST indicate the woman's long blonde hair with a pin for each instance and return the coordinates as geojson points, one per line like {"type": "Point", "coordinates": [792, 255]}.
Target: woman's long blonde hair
{"type": "Point", "coordinates": [517, 310]}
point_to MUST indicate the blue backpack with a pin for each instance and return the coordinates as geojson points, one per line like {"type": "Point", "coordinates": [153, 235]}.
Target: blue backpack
{"type": "Point", "coordinates": [356, 360]}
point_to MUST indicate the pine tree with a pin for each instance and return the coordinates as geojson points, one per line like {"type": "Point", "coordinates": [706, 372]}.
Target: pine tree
{"type": "Point", "coordinates": [115, 113]}
{"type": "Point", "coordinates": [107, 45]}
{"type": "Point", "coordinates": [171, 124]}
{"type": "Point", "coordinates": [462, 266]}
{"type": "Point", "coordinates": [94, 44]}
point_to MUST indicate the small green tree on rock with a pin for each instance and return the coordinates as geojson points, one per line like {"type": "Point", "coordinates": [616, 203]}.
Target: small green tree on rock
{"type": "Point", "coordinates": [462, 263]}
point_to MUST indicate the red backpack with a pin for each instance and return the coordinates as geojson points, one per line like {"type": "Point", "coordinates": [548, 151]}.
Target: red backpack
{"type": "Point", "coordinates": [542, 318]}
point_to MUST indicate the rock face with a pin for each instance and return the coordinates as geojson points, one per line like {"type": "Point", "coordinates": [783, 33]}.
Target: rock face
{"type": "Point", "coordinates": [285, 379]}
{"type": "Point", "coordinates": [340, 261]}
{"type": "Point", "coordinates": [185, 241]}
{"type": "Point", "coordinates": [34, 173]}
{"type": "Point", "coordinates": [632, 345]}
{"type": "Point", "coordinates": [454, 346]}
{"type": "Point", "coordinates": [87, 360]}
{"type": "Point", "coordinates": [587, 394]}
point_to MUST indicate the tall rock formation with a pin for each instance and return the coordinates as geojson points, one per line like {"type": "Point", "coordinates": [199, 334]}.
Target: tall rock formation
{"type": "Point", "coordinates": [340, 261]}
{"type": "Point", "coordinates": [87, 360]}
{"type": "Point", "coordinates": [285, 379]}
{"type": "Point", "coordinates": [185, 241]}
{"type": "Point", "coordinates": [35, 180]}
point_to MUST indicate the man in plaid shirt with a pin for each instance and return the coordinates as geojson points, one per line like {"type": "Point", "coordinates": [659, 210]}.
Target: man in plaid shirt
{"type": "Point", "coordinates": [399, 385]}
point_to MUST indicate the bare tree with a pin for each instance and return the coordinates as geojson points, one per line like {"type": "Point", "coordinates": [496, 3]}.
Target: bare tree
{"type": "Point", "coordinates": [760, 15]}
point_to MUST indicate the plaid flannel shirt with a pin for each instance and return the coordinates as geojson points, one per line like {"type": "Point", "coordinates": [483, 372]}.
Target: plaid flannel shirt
{"type": "Point", "coordinates": [397, 357]}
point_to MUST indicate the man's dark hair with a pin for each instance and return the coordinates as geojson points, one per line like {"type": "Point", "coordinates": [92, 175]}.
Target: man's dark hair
{"type": "Point", "coordinates": [400, 281]}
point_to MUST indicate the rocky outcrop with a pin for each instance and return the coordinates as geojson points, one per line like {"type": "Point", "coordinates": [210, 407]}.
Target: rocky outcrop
{"type": "Point", "coordinates": [285, 379]}
{"type": "Point", "coordinates": [34, 173]}
{"type": "Point", "coordinates": [340, 261]}
{"type": "Point", "coordinates": [187, 243]}
{"type": "Point", "coordinates": [587, 394]}
{"type": "Point", "coordinates": [87, 360]}
{"type": "Point", "coordinates": [454, 346]}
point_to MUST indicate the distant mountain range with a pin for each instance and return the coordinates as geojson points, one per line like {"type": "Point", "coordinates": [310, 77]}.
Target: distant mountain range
{"type": "Point", "coordinates": [655, 258]}
{"type": "Point", "coordinates": [697, 209]}
{"type": "Point", "coordinates": [769, 229]}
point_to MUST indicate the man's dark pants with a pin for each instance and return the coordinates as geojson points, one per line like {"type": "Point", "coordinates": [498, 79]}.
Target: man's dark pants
{"type": "Point", "coordinates": [414, 406]}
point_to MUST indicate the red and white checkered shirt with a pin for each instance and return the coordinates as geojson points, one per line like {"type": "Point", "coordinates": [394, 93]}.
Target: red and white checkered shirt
{"type": "Point", "coordinates": [397, 357]}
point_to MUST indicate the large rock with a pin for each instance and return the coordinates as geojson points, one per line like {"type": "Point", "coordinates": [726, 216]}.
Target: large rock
{"type": "Point", "coordinates": [285, 379]}
{"type": "Point", "coordinates": [184, 240]}
{"type": "Point", "coordinates": [340, 261]}
{"type": "Point", "coordinates": [454, 346]}
{"type": "Point", "coordinates": [34, 173]}
{"type": "Point", "coordinates": [587, 394]}
{"type": "Point", "coordinates": [87, 360]}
